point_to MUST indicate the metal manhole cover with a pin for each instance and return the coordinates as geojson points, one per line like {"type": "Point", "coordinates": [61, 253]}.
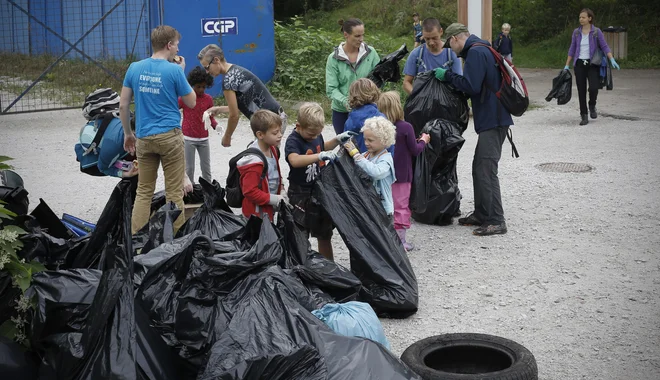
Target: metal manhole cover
{"type": "Point", "coordinates": [564, 167]}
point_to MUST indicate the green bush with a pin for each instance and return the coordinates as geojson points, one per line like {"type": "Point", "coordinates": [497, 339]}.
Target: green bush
{"type": "Point", "coordinates": [302, 52]}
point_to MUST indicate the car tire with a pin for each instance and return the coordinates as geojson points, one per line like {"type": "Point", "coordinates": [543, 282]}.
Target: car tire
{"type": "Point", "coordinates": [470, 356]}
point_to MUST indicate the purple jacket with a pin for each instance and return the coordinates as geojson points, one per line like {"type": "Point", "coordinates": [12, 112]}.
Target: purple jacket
{"type": "Point", "coordinates": [405, 148]}
{"type": "Point", "coordinates": [595, 36]}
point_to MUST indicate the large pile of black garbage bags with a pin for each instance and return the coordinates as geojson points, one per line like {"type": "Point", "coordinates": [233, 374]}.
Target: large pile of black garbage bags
{"type": "Point", "coordinates": [224, 298]}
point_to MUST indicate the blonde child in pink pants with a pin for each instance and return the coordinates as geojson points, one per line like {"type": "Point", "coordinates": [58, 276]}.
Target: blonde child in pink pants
{"type": "Point", "coordinates": [405, 148]}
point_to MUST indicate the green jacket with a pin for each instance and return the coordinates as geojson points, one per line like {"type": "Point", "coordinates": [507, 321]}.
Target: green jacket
{"type": "Point", "coordinates": [340, 73]}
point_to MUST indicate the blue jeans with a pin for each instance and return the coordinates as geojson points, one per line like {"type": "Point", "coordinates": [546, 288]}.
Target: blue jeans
{"type": "Point", "coordinates": [338, 121]}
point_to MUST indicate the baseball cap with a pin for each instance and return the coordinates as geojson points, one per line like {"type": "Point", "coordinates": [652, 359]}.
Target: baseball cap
{"type": "Point", "coordinates": [452, 30]}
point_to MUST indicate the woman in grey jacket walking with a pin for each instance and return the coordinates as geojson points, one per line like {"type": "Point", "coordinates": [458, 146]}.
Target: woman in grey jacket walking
{"type": "Point", "coordinates": [587, 42]}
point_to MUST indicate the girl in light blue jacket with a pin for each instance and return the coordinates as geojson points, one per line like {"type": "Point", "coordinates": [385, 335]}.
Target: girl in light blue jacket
{"type": "Point", "coordinates": [379, 134]}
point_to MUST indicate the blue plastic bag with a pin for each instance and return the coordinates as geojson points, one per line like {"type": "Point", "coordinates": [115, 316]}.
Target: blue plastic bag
{"type": "Point", "coordinates": [353, 319]}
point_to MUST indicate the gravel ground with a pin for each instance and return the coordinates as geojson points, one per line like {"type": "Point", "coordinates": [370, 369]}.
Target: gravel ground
{"type": "Point", "coordinates": [576, 278]}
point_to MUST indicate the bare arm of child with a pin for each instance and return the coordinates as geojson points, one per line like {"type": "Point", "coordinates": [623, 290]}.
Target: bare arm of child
{"type": "Point", "coordinates": [302, 160]}
{"type": "Point", "coordinates": [331, 144]}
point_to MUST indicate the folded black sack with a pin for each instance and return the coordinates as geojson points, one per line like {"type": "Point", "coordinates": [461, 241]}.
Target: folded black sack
{"type": "Point", "coordinates": [378, 258]}
{"type": "Point", "coordinates": [432, 99]}
{"type": "Point", "coordinates": [435, 196]}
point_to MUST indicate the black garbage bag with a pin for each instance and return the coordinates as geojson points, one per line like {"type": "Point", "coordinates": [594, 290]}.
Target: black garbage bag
{"type": "Point", "coordinates": [16, 362]}
{"type": "Point", "coordinates": [606, 80]}
{"type": "Point", "coordinates": [214, 218]}
{"type": "Point", "coordinates": [158, 294]}
{"type": "Point", "coordinates": [110, 223]}
{"type": "Point", "coordinates": [159, 230]}
{"type": "Point", "coordinates": [104, 345]}
{"type": "Point", "coordinates": [13, 193]}
{"type": "Point", "coordinates": [194, 197]}
{"type": "Point", "coordinates": [104, 337]}
{"type": "Point", "coordinates": [432, 99]}
{"type": "Point", "coordinates": [435, 196]}
{"type": "Point", "coordinates": [285, 341]}
{"type": "Point", "coordinates": [8, 296]}
{"type": "Point", "coordinates": [319, 274]}
{"type": "Point", "coordinates": [205, 301]}
{"type": "Point", "coordinates": [562, 87]}
{"type": "Point", "coordinates": [387, 70]}
{"type": "Point", "coordinates": [377, 255]}
{"type": "Point", "coordinates": [61, 301]}
{"type": "Point", "coordinates": [53, 252]}
{"type": "Point", "coordinates": [49, 221]}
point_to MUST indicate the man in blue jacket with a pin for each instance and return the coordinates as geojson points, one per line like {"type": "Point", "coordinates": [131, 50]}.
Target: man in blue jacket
{"type": "Point", "coordinates": [491, 122]}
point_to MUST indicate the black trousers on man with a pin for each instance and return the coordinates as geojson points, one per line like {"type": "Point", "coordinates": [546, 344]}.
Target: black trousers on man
{"type": "Point", "coordinates": [586, 72]}
{"type": "Point", "coordinates": [487, 197]}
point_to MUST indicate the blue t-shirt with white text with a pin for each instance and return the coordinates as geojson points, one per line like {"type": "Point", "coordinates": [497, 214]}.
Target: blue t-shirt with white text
{"type": "Point", "coordinates": [157, 85]}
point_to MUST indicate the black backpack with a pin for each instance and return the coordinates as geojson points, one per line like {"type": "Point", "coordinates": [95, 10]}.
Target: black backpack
{"type": "Point", "coordinates": [99, 102]}
{"type": "Point", "coordinates": [234, 194]}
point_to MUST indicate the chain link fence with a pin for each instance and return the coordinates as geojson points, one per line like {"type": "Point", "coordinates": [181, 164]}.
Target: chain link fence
{"type": "Point", "coordinates": [54, 53]}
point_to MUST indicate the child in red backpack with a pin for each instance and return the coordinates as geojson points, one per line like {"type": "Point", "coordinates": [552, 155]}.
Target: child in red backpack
{"type": "Point", "coordinates": [195, 133]}
{"type": "Point", "coordinates": [262, 196]}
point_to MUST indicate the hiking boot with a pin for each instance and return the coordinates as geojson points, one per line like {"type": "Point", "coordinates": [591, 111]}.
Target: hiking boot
{"type": "Point", "coordinates": [593, 113]}
{"type": "Point", "coordinates": [585, 119]}
{"type": "Point", "coordinates": [491, 229]}
{"type": "Point", "coordinates": [469, 220]}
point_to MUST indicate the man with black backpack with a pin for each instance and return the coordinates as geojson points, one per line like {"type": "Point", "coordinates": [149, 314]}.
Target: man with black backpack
{"type": "Point", "coordinates": [481, 77]}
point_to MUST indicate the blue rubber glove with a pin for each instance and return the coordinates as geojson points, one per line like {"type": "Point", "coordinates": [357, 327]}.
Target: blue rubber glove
{"type": "Point", "coordinates": [566, 67]}
{"type": "Point", "coordinates": [614, 64]}
{"type": "Point", "coordinates": [328, 155]}
{"type": "Point", "coordinates": [345, 136]}
{"type": "Point", "coordinates": [440, 73]}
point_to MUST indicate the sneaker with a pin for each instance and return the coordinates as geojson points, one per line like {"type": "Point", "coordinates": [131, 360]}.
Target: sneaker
{"type": "Point", "coordinates": [491, 229]}
{"type": "Point", "coordinates": [469, 220]}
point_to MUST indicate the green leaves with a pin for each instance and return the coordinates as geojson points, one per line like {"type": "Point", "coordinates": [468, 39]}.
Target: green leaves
{"type": "Point", "coordinates": [4, 166]}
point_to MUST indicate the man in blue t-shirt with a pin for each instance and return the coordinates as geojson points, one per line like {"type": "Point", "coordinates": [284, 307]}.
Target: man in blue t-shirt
{"type": "Point", "coordinates": [157, 83]}
{"type": "Point", "coordinates": [430, 55]}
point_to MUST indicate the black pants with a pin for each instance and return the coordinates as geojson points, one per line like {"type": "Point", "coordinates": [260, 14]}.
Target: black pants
{"type": "Point", "coordinates": [487, 197]}
{"type": "Point", "coordinates": [584, 71]}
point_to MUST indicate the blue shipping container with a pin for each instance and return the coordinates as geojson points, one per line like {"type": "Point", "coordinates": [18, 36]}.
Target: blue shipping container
{"type": "Point", "coordinates": [244, 29]}
{"type": "Point", "coordinates": [123, 33]}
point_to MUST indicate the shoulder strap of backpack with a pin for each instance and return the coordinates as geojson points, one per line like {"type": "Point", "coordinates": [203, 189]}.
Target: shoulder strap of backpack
{"type": "Point", "coordinates": [107, 118]}
{"type": "Point", "coordinates": [420, 61]}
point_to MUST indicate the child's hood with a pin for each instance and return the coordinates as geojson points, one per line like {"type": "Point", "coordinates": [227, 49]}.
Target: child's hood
{"type": "Point", "coordinates": [364, 112]}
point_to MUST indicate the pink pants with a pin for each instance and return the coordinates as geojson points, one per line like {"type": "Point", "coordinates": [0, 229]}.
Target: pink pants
{"type": "Point", "coordinates": [401, 195]}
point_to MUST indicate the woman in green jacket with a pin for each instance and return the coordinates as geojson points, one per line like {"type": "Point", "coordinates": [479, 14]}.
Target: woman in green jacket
{"type": "Point", "coordinates": [351, 60]}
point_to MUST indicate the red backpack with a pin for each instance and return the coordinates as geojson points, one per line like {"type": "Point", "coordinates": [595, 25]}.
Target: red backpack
{"type": "Point", "coordinates": [512, 92]}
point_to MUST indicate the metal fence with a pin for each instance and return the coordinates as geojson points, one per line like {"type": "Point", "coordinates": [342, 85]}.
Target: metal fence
{"type": "Point", "coordinates": [55, 52]}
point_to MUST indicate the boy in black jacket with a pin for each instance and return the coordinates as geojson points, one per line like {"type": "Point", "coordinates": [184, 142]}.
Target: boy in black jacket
{"type": "Point", "coordinates": [503, 44]}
